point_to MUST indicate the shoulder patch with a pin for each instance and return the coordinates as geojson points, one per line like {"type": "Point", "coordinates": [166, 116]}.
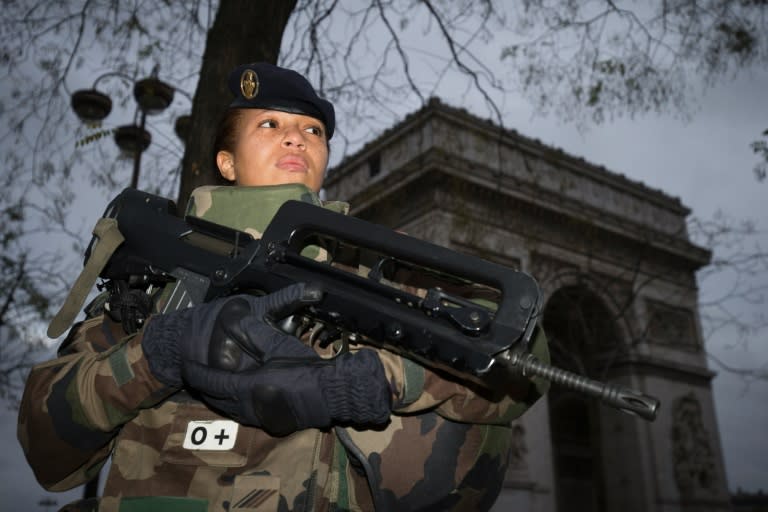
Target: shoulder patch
{"type": "Point", "coordinates": [121, 370]}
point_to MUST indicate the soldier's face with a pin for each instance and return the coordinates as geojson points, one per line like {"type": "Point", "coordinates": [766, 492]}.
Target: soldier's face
{"type": "Point", "coordinates": [275, 148]}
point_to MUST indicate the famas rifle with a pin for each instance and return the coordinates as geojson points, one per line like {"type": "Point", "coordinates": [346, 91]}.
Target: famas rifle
{"type": "Point", "coordinates": [483, 336]}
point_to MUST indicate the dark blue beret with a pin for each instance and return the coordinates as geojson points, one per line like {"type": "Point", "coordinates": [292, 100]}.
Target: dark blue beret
{"type": "Point", "coordinates": [264, 85]}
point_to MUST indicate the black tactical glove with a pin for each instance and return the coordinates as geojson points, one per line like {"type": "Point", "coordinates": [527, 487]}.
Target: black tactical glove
{"type": "Point", "coordinates": [206, 333]}
{"type": "Point", "coordinates": [294, 388]}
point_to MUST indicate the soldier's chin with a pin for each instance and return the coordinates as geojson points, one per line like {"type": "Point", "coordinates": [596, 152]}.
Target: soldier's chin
{"type": "Point", "coordinates": [303, 178]}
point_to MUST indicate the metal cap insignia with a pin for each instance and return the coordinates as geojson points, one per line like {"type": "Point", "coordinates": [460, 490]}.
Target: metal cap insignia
{"type": "Point", "coordinates": [249, 84]}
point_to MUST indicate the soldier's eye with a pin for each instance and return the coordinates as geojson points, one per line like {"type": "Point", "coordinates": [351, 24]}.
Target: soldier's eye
{"type": "Point", "coordinates": [268, 123]}
{"type": "Point", "coordinates": [315, 130]}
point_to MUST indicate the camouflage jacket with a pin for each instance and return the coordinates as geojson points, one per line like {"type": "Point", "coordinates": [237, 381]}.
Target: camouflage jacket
{"type": "Point", "coordinates": [445, 448]}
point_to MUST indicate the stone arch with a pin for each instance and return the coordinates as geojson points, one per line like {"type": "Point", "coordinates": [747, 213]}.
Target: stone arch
{"type": "Point", "coordinates": [620, 320]}
{"type": "Point", "coordinates": [580, 328]}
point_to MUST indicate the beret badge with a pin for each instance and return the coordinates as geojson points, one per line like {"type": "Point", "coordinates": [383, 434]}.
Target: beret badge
{"type": "Point", "coordinates": [249, 84]}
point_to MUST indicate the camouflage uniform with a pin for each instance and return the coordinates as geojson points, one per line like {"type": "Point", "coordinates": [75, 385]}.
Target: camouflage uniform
{"type": "Point", "coordinates": [445, 448]}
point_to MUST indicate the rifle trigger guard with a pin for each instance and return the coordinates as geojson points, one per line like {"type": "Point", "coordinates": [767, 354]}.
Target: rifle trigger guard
{"type": "Point", "coordinates": [468, 316]}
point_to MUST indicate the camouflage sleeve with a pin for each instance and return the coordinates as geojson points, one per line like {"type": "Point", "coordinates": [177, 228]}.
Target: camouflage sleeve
{"type": "Point", "coordinates": [416, 388]}
{"type": "Point", "coordinates": [73, 406]}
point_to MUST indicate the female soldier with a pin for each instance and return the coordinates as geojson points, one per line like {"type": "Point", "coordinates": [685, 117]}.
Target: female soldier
{"type": "Point", "coordinates": [293, 429]}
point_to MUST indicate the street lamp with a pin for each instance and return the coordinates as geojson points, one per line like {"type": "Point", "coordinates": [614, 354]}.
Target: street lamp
{"type": "Point", "coordinates": [152, 95]}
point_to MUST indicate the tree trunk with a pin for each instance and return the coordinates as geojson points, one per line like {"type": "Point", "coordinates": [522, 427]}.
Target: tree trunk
{"type": "Point", "coordinates": [243, 31]}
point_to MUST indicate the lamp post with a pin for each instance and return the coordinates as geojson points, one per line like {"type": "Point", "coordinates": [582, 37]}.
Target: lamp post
{"type": "Point", "coordinates": [152, 96]}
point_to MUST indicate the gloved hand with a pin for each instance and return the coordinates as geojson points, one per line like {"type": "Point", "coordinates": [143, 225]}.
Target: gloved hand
{"type": "Point", "coordinates": [210, 333]}
{"type": "Point", "coordinates": [295, 388]}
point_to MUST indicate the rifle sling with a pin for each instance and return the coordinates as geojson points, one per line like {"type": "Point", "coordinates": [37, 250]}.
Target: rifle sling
{"type": "Point", "coordinates": [109, 239]}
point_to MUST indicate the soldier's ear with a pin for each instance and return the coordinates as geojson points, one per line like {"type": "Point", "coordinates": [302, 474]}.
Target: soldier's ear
{"type": "Point", "coordinates": [225, 161]}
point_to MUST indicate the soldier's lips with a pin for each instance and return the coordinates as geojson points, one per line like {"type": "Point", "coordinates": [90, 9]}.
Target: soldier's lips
{"type": "Point", "coordinates": [293, 163]}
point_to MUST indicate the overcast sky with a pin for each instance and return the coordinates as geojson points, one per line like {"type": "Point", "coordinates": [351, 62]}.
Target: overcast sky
{"type": "Point", "coordinates": [706, 163]}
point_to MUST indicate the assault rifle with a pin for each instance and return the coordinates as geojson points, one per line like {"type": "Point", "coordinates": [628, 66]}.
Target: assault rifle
{"type": "Point", "coordinates": [485, 339]}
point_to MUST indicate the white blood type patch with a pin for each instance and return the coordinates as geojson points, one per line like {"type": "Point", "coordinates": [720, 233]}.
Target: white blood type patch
{"type": "Point", "coordinates": [210, 435]}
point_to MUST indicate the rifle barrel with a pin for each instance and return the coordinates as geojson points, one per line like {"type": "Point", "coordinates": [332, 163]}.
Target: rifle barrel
{"type": "Point", "coordinates": [618, 397]}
